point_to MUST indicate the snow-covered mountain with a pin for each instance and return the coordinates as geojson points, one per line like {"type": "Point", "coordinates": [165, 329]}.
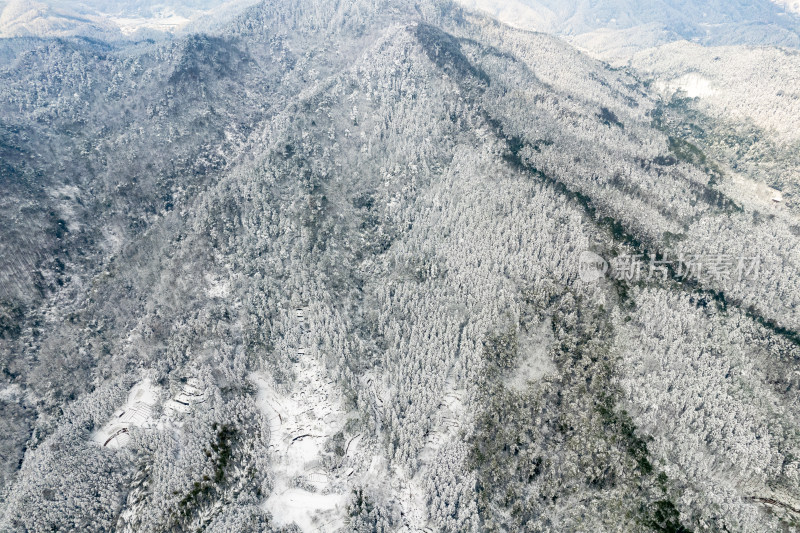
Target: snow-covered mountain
{"type": "Point", "coordinates": [730, 66]}
{"type": "Point", "coordinates": [383, 266]}
{"type": "Point", "coordinates": [20, 18]}
{"type": "Point", "coordinates": [111, 20]}
{"type": "Point", "coordinates": [789, 5]}
{"type": "Point", "coordinates": [709, 22]}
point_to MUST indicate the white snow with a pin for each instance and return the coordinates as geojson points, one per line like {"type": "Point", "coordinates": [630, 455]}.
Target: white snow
{"type": "Point", "coordinates": [305, 414]}
{"type": "Point", "coordinates": [733, 83]}
{"type": "Point", "coordinates": [694, 85]}
{"type": "Point", "coordinates": [136, 412]}
{"type": "Point", "coordinates": [310, 511]}
{"type": "Point", "coordinates": [535, 361]}
{"type": "Point", "coordinates": [754, 195]}
{"type": "Point", "coordinates": [217, 288]}
{"type": "Point", "coordinates": [301, 421]}
{"type": "Point", "coordinates": [789, 5]}
{"type": "Point", "coordinates": [11, 393]}
{"type": "Point", "coordinates": [190, 394]}
{"type": "Point", "coordinates": [167, 22]}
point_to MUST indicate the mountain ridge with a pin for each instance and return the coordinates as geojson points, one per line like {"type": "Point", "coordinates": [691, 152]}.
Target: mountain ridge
{"type": "Point", "coordinates": [397, 212]}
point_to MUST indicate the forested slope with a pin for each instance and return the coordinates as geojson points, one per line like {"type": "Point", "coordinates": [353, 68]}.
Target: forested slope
{"type": "Point", "coordinates": [338, 245]}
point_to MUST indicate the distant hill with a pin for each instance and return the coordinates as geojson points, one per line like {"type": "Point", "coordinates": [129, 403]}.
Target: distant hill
{"type": "Point", "coordinates": [709, 22]}
{"type": "Point", "coordinates": [112, 21]}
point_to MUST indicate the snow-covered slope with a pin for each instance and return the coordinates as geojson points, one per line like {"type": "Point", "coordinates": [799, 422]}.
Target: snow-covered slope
{"type": "Point", "coordinates": [323, 265]}
{"type": "Point", "coordinates": [736, 62]}
{"type": "Point", "coordinates": [761, 85]}
{"type": "Point", "coordinates": [23, 18]}
{"type": "Point", "coordinates": [112, 21]}
{"type": "Point", "coordinates": [789, 5]}
{"type": "Point", "coordinates": [759, 22]}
